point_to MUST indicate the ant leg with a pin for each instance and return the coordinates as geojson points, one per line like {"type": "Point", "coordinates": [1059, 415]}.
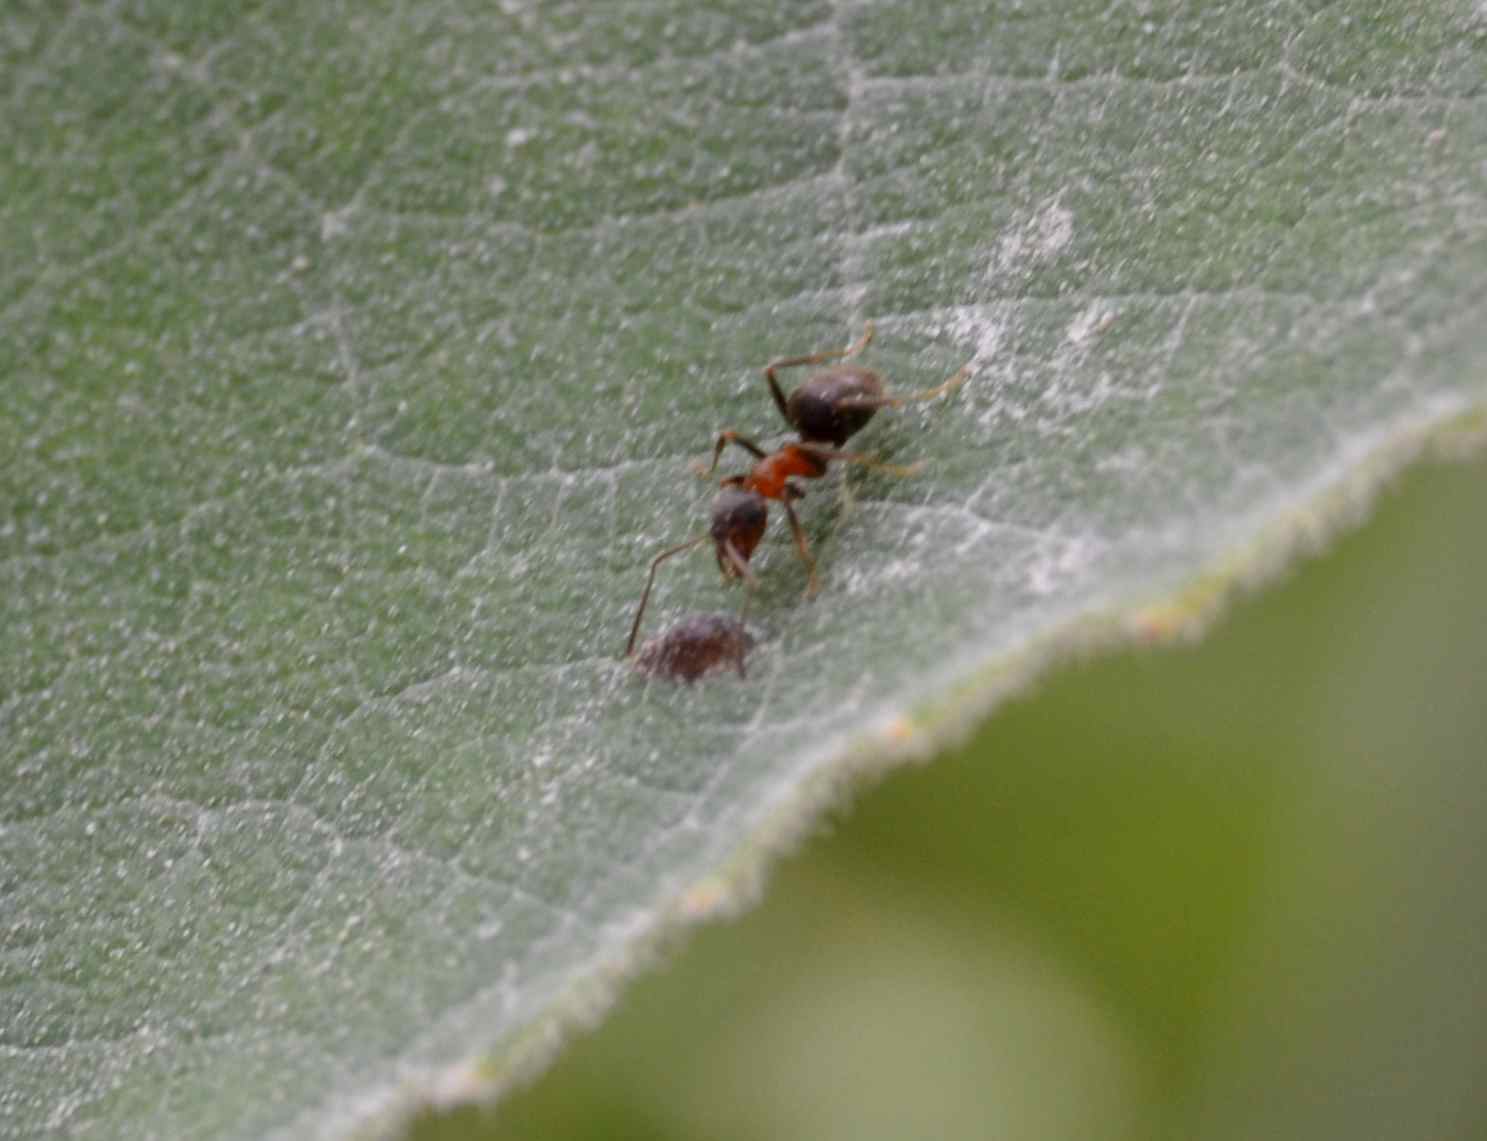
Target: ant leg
{"type": "Point", "coordinates": [872, 463]}
{"type": "Point", "coordinates": [726, 437]}
{"type": "Point", "coordinates": [847, 499]}
{"type": "Point", "coordinates": [750, 585]}
{"type": "Point", "coordinates": [798, 532]}
{"type": "Point", "coordinates": [811, 358]}
{"type": "Point", "coordinates": [898, 400]}
{"type": "Point", "coordinates": [733, 565]}
{"type": "Point", "coordinates": [650, 581]}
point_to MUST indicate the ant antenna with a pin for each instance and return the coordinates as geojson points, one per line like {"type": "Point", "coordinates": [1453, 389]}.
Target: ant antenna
{"type": "Point", "coordinates": [645, 595]}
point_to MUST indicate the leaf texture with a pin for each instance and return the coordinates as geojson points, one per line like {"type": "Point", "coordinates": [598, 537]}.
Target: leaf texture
{"type": "Point", "coordinates": [353, 356]}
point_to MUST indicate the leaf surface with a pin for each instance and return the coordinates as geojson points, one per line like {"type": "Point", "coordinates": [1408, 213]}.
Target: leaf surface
{"type": "Point", "coordinates": [353, 357]}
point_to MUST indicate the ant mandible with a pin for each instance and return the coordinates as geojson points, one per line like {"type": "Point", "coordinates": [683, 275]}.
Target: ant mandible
{"type": "Point", "coordinates": [828, 408]}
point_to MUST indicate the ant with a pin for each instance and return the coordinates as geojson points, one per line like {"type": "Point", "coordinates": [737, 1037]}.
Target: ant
{"type": "Point", "coordinates": [828, 408]}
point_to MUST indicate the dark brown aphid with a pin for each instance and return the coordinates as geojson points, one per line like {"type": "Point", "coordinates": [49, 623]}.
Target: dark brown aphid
{"type": "Point", "coordinates": [696, 645]}
{"type": "Point", "coordinates": [838, 402]}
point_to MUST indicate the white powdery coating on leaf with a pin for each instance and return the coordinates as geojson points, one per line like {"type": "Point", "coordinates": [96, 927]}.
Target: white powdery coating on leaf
{"type": "Point", "coordinates": [1062, 561]}
{"type": "Point", "coordinates": [1095, 318]}
{"type": "Point", "coordinates": [974, 329]}
{"type": "Point", "coordinates": [1037, 239]}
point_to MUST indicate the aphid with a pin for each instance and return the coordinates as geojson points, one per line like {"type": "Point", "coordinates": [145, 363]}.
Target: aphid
{"type": "Point", "coordinates": [694, 646]}
{"type": "Point", "coordinates": [838, 402]}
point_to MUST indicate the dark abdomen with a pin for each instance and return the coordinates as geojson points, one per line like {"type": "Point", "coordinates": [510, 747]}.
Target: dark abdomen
{"type": "Point", "coordinates": [815, 407]}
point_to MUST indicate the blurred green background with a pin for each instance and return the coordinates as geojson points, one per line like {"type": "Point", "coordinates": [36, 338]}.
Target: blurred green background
{"type": "Point", "coordinates": [1232, 890]}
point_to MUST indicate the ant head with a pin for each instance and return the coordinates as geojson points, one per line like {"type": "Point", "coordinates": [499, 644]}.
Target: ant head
{"type": "Point", "coordinates": [738, 522]}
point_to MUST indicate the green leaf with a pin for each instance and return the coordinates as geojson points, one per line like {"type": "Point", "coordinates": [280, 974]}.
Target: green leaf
{"type": "Point", "coordinates": [353, 356]}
